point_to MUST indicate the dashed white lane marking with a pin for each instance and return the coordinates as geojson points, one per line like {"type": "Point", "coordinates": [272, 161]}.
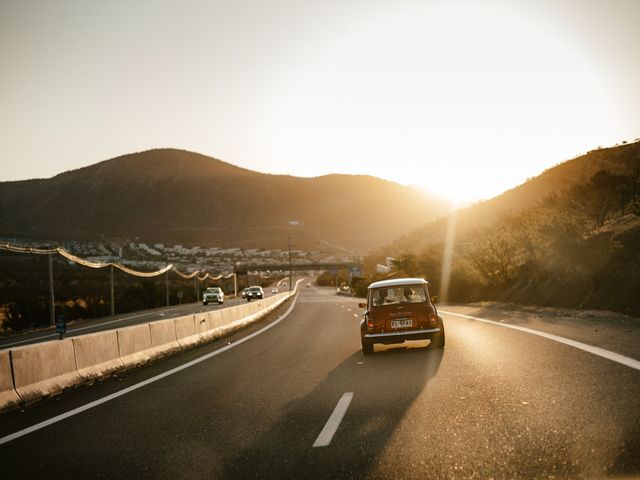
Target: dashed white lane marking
{"type": "Point", "coordinates": [356, 315]}
{"type": "Point", "coordinates": [329, 430]}
{"type": "Point", "coordinates": [75, 411]}
{"type": "Point", "coordinates": [601, 352]}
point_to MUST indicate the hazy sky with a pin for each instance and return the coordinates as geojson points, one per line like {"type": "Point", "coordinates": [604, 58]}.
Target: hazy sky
{"type": "Point", "coordinates": [466, 99]}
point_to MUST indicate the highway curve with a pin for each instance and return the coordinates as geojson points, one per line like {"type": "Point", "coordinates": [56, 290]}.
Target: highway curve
{"type": "Point", "coordinates": [496, 403]}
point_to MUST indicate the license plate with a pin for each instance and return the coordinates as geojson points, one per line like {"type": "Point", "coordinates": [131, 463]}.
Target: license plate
{"type": "Point", "coordinates": [402, 323]}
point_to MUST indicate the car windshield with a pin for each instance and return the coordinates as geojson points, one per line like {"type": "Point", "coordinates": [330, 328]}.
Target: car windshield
{"type": "Point", "coordinates": [399, 294]}
{"type": "Point", "coordinates": [213, 289]}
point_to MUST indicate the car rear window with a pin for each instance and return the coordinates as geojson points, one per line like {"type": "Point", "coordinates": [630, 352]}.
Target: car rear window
{"type": "Point", "coordinates": [399, 294]}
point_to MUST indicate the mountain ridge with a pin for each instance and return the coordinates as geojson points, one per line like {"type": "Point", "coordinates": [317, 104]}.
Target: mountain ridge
{"type": "Point", "coordinates": [617, 159]}
{"type": "Point", "coordinates": [170, 195]}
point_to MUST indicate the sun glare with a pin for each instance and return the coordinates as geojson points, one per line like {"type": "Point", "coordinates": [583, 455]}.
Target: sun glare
{"type": "Point", "coordinates": [443, 101]}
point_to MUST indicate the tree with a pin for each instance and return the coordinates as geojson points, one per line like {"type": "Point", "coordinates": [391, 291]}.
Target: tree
{"type": "Point", "coordinates": [493, 257]}
{"type": "Point", "coordinates": [525, 230]}
{"type": "Point", "coordinates": [408, 263]}
{"type": "Point", "coordinates": [597, 198]}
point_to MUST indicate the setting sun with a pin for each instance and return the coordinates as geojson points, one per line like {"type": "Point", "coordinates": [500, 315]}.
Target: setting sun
{"type": "Point", "coordinates": [444, 101]}
{"type": "Point", "coordinates": [463, 99]}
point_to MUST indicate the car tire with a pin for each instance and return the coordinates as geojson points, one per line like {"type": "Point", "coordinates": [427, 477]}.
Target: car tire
{"type": "Point", "coordinates": [367, 348]}
{"type": "Point", "coordinates": [438, 341]}
{"type": "Point", "coordinates": [205, 303]}
{"type": "Point", "coordinates": [220, 302]}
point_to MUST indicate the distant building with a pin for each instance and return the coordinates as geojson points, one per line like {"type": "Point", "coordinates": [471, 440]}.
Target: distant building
{"type": "Point", "coordinates": [386, 268]}
{"type": "Point", "coordinates": [382, 269]}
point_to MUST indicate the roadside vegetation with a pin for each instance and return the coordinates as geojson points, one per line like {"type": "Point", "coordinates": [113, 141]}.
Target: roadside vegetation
{"type": "Point", "coordinates": [576, 248]}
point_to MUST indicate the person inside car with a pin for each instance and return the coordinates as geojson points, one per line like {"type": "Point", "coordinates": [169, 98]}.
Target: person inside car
{"type": "Point", "coordinates": [381, 297]}
{"type": "Point", "coordinates": [408, 293]}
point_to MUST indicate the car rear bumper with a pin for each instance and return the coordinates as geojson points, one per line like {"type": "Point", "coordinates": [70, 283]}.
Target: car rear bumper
{"type": "Point", "coordinates": [399, 337]}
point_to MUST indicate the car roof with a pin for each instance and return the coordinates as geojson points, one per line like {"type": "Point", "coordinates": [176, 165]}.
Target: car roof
{"type": "Point", "coordinates": [398, 282]}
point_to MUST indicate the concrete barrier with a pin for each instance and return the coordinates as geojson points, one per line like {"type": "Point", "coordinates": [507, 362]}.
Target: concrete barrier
{"type": "Point", "coordinates": [44, 369]}
{"type": "Point", "coordinates": [248, 308]}
{"type": "Point", "coordinates": [248, 314]}
{"type": "Point", "coordinates": [186, 332]}
{"type": "Point", "coordinates": [216, 318]}
{"type": "Point", "coordinates": [163, 336]}
{"type": "Point", "coordinates": [202, 322]}
{"type": "Point", "coordinates": [8, 396]}
{"type": "Point", "coordinates": [35, 371]}
{"type": "Point", "coordinates": [97, 354]}
{"type": "Point", "coordinates": [135, 345]}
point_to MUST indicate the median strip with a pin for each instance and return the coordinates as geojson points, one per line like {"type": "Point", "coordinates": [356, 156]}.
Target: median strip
{"type": "Point", "coordinates": [600, 352]}
{"type": "Point", "coordinates": [329, 430]}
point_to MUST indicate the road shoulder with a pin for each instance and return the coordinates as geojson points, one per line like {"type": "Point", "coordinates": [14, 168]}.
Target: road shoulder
{"type": "Point", "coordinates": [608, 330]}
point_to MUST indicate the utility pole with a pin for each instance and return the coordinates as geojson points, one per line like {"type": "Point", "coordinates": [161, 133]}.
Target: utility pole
{"type": "Point", "coordinates": [195, 286]}
{"type": "Point", "coordinates": [289, 263]}
{"type": "Point", "coordinates": [235, 284]}
{"type": "Point", "coordinates": [166, 284]}
{"type": "Point", "coordinates": [113, 301]}
{"type": "Point", "coordinates": [52, 319]}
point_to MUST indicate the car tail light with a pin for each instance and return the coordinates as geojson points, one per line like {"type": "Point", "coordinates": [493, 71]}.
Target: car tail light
{"type": "Point", "coordinates": [433, 319]}
{"type": "Point", "coordinates": [369, 322]}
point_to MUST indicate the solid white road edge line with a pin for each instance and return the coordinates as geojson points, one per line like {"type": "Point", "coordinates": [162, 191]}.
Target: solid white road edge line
{"type": "Point", "coordinates": [601, 352]}
{"type": "Point", "coordinates": [88, 406]}
{"type": "Point", "coordinates": [329, 430]}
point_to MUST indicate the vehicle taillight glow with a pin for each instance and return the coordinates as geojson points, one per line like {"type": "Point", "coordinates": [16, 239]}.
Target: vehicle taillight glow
{"type": "Point", "coordinates": [433, 319]}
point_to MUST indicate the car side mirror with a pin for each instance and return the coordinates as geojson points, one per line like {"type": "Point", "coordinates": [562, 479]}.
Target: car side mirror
{"type": "Point", "coordinates": [434, 299]}
{"type": "Point", "coordinates": [362, 305]}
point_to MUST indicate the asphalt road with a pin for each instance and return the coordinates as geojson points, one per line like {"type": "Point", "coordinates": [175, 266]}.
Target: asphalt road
{"type": "Point", "coordinates": [82, 327]}
{"type": "Point", "coordinates": [496, 403]}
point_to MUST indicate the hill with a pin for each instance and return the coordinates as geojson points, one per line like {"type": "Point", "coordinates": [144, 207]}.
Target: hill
{"type": "Point", "coordinates": [568, 238]}
{"type": "Point", "coordinates": [624, 159]}
{"type": "Point", "coordinates": [179, 197]}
